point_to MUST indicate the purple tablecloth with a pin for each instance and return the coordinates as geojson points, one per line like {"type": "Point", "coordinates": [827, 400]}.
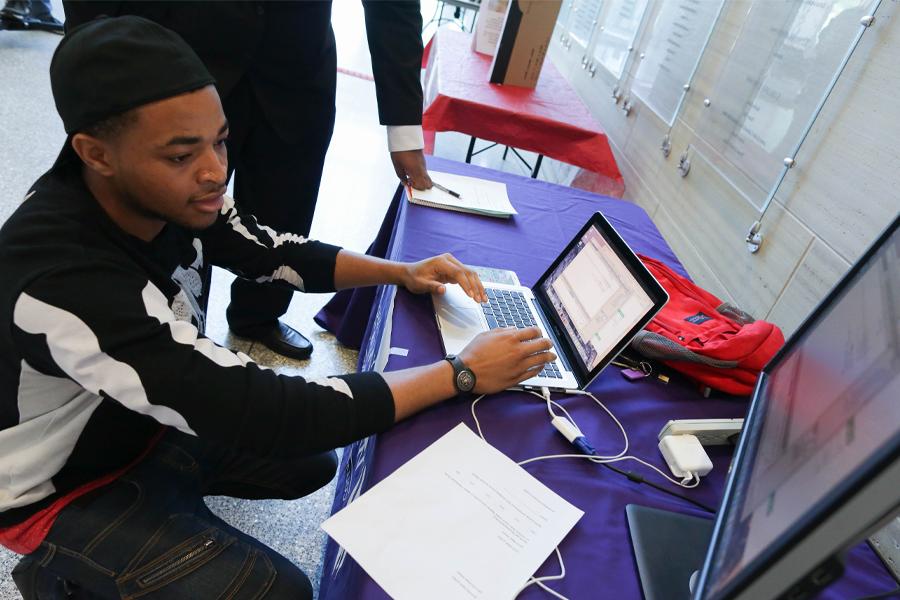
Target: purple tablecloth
{"type": "Point", "coordinates": [597, 553]}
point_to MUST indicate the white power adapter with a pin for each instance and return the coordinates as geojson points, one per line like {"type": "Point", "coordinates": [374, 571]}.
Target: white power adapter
{"type": "Point", "coordinates": [685, 456]}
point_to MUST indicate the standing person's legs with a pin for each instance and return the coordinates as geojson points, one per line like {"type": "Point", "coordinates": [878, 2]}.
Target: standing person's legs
{"type": "Point", "coordinates": [30, 14]}
{"type": "Point", "coordinates": [41, 8]}
{"type": "Point", "coordinates": [150, 534]}
{"type": "Point", "coordinates": [277, 182]}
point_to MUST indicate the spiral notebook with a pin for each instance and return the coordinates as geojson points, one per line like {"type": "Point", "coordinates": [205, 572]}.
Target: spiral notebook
{"type": "Point", "coordinates": [477, 196]}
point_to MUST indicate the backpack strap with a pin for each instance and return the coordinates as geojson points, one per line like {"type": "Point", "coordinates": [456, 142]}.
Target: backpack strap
{"type": "Point", "coordinates": [655, 346]}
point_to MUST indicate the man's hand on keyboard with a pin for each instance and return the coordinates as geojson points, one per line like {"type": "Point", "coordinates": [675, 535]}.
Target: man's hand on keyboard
{"type": "Point", "coordinates": [501, 358]}
{"type": "Point", "coordinates": [430, 275]}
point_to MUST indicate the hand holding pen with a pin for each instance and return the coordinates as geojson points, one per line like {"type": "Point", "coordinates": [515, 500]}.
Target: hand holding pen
{"type": "Point", "coordinates": [410, 167]}
{"type": "Point", "coordinates": [409, 189]}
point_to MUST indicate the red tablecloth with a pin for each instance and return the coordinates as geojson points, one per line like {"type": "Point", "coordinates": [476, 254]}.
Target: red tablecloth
{"type": "Point", "coordinates": [550, 119]}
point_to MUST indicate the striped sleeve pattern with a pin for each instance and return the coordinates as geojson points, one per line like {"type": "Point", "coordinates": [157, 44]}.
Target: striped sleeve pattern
{"type": "Point", "coordinates": [102, 333]}
{"type": "Point", "coordinates": [240, 244]}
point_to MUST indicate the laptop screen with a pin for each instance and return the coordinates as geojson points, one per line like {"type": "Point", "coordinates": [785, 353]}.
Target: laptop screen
{"type": "Point", "coordinates": [600, 294]}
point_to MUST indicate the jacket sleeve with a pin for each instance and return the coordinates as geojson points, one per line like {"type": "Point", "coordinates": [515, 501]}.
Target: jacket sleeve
{"type": "Point", "coordinates": [112, 332]}
{"type": "Point", "coordinates": [79, 12]}
{"type": "Point", "coordinates": [238, 243]}
{"type": "Point", "coordinates": [394, 30]}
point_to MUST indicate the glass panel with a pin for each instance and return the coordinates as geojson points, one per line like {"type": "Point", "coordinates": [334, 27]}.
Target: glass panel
{"type": "Point", "coordinates": [582, 21]}
{"type": "Point", "coordinates": [782, 64]}
{"type": "Point", "coordinates": [676, 40]}
{"type": "Point", "coordinates": [562, 19]}
{"type": "Point", "coordinates": [617, 31]}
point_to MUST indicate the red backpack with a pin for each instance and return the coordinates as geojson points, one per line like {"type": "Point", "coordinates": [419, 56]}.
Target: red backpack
{"type": "Point", "coordinates": [697, 334]}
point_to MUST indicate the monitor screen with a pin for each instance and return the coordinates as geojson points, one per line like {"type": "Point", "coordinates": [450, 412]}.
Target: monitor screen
{"type": "Point", "coordinates": [824, 408]}
{"type": "Point", "coordinates": [596, 297]}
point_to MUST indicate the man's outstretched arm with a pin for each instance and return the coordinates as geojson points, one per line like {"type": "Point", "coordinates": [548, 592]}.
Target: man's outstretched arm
{"type": "Point", "coordinates": [112, 332]}
{"type": "Point", "coordinates": [253, 251]}
{"type": "Point", "coordinates": [426, 276]}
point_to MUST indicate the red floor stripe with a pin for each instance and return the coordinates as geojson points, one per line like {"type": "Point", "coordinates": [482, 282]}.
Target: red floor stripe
{"type": "Point", "coordinates": [356, 74]}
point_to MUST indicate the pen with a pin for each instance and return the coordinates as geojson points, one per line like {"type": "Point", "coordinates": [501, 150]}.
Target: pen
{"type": "Point", "coordinates": [409, 192]}
{"type": "Point", "coordinates": [443, 189]}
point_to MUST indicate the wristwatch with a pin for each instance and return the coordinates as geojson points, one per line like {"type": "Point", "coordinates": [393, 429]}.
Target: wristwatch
{"type": "Point", "coordinates": [463, 377]}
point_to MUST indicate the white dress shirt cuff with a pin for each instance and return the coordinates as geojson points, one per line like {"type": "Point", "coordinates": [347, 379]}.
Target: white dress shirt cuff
{"type": "Point", "coordinates": [405, 137]}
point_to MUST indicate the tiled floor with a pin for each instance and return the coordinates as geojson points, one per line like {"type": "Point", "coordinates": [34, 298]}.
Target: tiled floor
{"type": "Point", "coordinates": [31, 135]}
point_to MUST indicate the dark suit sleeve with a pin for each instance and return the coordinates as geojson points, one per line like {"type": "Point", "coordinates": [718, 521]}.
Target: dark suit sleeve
{"type": "Point", "coordinates": [82, 11]}
{"type": "Point", "coordinates": [394, 29]}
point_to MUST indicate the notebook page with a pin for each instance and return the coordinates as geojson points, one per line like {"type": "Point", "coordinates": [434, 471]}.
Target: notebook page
{"type": "Point", "coordinates": [477, 195]}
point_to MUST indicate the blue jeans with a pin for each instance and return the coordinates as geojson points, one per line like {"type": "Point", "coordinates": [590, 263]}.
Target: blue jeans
{"type": "Point", "coordinates": [150, 535]}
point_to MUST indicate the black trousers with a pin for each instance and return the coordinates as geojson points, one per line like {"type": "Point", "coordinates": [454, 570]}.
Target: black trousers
{"type": "Point", "coordinates": [276, 181]}
{"type": "Point", "coordinates": [150, 535]}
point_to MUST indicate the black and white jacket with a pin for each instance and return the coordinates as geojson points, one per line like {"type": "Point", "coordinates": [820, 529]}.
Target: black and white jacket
{"type": "Point", "coordinates": [101, 341]}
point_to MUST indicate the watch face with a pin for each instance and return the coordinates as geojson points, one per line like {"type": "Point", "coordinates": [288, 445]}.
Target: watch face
{"type": "Point", "coordinates": [465, 381]}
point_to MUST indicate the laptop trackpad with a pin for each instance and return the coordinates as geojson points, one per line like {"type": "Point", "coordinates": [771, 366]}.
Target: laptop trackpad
{"type": "Point", "coordinates": [455, 296]}
{"type": "Point", "coordinates": [460, 318]}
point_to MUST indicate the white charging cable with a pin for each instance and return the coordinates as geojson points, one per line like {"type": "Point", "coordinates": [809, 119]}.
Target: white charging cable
{"type": "Point", "coordinates": [566, 425]}
{"type": "Point", "coordinates": [539, 581]}
{"type": "Point", "coordinates": [575, 437]}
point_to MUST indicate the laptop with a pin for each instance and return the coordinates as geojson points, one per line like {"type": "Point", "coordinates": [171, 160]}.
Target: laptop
{"type": "Point", "coordinates": [595, 297]}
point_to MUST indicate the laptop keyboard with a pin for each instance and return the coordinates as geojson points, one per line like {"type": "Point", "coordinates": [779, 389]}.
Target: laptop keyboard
{"type": "Point", "coordinates": [509, 308]}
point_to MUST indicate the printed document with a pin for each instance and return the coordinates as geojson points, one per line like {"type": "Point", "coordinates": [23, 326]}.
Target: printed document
{"type": "Point", "coordinates": [458, 520]}
{"type": "Point", "coordinates": [489, 26]}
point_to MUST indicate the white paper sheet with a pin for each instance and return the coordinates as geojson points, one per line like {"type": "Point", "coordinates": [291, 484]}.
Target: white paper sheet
{"type": "Point", "coordinates": [490, 23]}
{"type": "Point", "coordinates": [458, 520]}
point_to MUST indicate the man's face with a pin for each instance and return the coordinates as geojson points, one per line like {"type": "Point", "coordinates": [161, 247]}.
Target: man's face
{"type": "Point", "coordinates": [170, 164]}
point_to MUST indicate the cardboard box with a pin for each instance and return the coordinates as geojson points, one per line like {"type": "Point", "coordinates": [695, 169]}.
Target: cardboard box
{"type": "Point", "coordinates": [524, 41]}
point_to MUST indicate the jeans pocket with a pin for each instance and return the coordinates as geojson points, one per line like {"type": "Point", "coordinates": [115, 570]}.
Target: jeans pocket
{"type": "Point", "coordinates": [192, 558]}
{"type": "Point", "coordinates": [171, 567]}
{"type": "Point", "coordinates": [128, 498]}
{"type": "Point", "coordinates": [90, 520]}
{"type": "Point", "coordinates": [254, 579]}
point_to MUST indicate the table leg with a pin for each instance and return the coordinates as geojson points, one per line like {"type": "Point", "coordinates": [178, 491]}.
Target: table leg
{"type": "Point", "coordinates": [505, 152]}
{"type": "Point", "coordinates": [537, 166]}
{"type": "Point", "coordinates": [471, 148]}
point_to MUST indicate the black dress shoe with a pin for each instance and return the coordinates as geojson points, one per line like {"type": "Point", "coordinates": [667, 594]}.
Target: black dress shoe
{"type": "Point", "coordinates": [20, 14]}
{"type": "Point", "coordinates": [280, 338]}
{"type": "Point", "coordinates": [12, 25]}
{"type": "Point", "coordinates": [16, 11]}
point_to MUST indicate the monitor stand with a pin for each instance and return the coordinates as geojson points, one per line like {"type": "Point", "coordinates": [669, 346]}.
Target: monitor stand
{"type": "Point", "coordinates": [669, 548]}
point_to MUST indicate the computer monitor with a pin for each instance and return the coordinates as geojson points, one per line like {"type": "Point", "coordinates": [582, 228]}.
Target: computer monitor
{"type": "Point", "coordinates": [817, 467]}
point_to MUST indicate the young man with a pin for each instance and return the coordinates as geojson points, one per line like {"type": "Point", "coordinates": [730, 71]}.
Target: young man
{"type": "Point", "coordinates": [275, 67]}
{"type": "Point", "coordinates": [116, 415]}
